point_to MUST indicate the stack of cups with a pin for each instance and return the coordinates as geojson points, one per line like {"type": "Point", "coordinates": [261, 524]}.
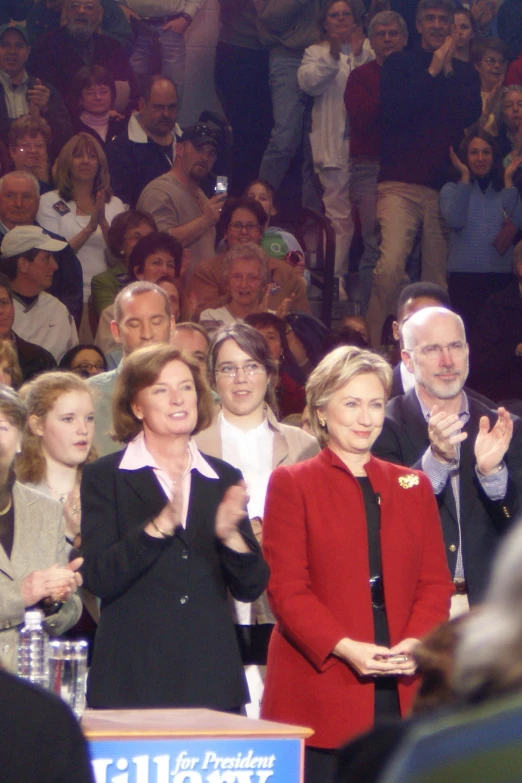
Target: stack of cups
{"type": "Point", "coordinates": [68, 672]}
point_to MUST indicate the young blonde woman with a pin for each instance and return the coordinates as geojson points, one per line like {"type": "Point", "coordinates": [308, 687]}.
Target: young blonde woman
{"type": "Point", "coordinates": [57, 441]}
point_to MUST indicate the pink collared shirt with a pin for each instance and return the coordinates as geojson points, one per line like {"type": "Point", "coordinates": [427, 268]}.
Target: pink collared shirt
{"type": "Point", "coordinates": [138, 456]}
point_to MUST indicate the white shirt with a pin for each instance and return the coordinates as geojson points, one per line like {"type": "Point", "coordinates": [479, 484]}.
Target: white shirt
{"type": "Point", "coordinates": [46, 322]}
{"type": "Point", "coordinates": [252, 453]}
{"type": "Point", "coordinates": [59, 216]}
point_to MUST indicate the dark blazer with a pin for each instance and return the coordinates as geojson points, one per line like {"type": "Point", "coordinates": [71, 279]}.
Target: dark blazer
{"type": "Point", "coordinates": [166, 636]}
{"type": "Point", "coordinates": [404, 439]}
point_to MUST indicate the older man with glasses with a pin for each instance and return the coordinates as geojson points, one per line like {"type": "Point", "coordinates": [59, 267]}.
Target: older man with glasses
{"type": "Point", "coordinates": [471, 453]}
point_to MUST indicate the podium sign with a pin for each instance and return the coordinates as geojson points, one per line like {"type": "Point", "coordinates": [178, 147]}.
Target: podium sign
{"type": "Point", "coordinates": [197, 761]}
{"type": "Point", "coordinates": [191, 746]}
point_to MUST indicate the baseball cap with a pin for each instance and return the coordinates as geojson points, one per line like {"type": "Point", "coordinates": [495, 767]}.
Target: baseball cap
{"type": "Point", "coordinates": [19, 29]}
{"type": "Point", "coordinates": [22, 238]}
{"type": "Point", "coordinates": [202, 134]}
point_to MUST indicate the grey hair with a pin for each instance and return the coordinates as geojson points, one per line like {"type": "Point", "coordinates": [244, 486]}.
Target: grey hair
{"type": "Point", "coordinates": [387, 18]}
{"type": "Point", "coordinates": [419, 318]}
{"type": "Point", "coordinates": [247, 252]}
{"type": "Point", "coordinates": [137, 289]}
{"type": "Point", "coordinates": [23, 175]}
{"type": "Point", "coordinates": [488, 658]}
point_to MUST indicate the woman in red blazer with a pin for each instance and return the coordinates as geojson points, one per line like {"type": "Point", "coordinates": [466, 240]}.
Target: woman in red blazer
{"type": "Point", "coordinates": [358, 569]}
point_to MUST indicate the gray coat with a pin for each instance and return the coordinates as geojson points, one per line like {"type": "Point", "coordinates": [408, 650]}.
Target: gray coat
{"type": "Point", "coordinates": [39, 542]}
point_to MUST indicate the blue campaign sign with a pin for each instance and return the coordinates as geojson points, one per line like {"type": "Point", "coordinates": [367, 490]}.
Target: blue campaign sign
{"type": "Point", "coordinates": [212, 760]}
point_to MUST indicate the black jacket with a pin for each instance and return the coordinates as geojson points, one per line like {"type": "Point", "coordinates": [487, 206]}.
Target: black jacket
{"type": "Point", "coordinates": [166, 636]}
{"type": "Point", "coordinates": [404, 439]}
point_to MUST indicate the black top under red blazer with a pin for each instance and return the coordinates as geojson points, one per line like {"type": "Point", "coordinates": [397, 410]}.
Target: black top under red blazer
{"type": "Point", "coordinates": [166, 636]}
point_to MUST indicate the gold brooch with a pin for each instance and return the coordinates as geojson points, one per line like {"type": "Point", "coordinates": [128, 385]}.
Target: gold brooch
{"type": "Point", "coordinates": [411, 480]}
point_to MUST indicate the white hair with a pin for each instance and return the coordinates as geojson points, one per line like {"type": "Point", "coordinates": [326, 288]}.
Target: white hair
{"type": "Point", "coordinates": [489, 656]}
{"type": "Point", "coordinates": [421, 318]}
{"type": "Point", "coordinates": [23, 175]}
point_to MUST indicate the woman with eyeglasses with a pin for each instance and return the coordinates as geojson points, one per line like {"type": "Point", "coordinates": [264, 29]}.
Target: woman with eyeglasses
{"type": "Point", "coordinates": [247, 434]}
{"type": "Point", "coordinates": [358, 571]}
{"type": "Point", "coordinates": [84, 360]}
{"type": "Point", "coordinates": [322, 74]}
{"type": "Point", "coordinates": [243, 221]}
{"type": "Point", "coordinates": [165, 534]}
{"type": "Point", "coordinates": [246, 275]}
{"type": "Point", "coordinates": [490, 58]}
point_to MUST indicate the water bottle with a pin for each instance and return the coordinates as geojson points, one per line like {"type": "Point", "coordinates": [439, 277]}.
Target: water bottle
{"type": "Point", "coordinates": [32, 649]}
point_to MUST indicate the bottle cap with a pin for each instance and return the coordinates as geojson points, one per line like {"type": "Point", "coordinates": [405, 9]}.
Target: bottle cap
{"type": "Point", "coordinates": [33, 618]}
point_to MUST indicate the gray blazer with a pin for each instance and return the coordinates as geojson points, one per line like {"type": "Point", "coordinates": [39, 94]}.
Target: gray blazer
{"type": "Point", "coordinates": [39, 542]}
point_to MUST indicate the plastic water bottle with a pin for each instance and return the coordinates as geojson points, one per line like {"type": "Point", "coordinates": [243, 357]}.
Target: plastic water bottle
{"type": "Point", "coordinates": [32, 649]}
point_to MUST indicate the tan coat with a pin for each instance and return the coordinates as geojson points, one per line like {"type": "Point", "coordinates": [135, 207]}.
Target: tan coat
{"type": "Point", "coordinates": [291, 445]}
{"type": "Point", "coordinates": [39, 542]}
{"type": "Point", "coordinates": [208, 285]}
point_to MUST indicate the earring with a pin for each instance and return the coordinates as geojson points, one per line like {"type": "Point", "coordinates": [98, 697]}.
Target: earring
{"type": "Point", "coordinates": [322, 421]}
{"type": "Point", "coordinates": [139, 417]}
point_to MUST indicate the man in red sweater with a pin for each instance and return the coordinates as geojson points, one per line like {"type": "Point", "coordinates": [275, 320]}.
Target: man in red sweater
{"type": "Point", "coordinates": [387, 33]}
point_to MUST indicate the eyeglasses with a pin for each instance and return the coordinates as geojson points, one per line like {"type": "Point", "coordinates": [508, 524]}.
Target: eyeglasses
{"type": "Point", "coordinates": [77, 4]}
{"type": "Point", "coordinates": [339, 15]}
{"type": "Point", "coordinates": [238, 226]}
{"type": "Point", "coordinates": [231, 370]}
{"type": "Point", "coordinates": [456, 349]}
{"type": "Point", "coordinates": [88, 367]}
{"type": "Point", "coordinates": [389, 33]}
{"type": "Point", "coordinates": [494, 60]}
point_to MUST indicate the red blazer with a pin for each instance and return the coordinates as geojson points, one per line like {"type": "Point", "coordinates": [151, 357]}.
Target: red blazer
{"type": "Point", "coordinates": [315, 542]}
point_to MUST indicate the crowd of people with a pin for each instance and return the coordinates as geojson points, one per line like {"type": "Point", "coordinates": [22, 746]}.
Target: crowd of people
{"type": "Point", "coordinates": [195, 473]}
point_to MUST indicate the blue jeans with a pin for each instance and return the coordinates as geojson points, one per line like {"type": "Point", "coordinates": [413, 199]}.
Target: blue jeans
{"type": "Point", "coordinates": [291, 111]}
{"type": "Point", "coordinates": [164, 45]}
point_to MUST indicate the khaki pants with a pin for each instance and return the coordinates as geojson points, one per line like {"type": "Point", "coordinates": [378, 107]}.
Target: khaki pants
{"type": "Point", "coordinates": [403, 209]}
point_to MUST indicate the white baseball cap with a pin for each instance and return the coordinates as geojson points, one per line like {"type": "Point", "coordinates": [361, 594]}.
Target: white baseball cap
{"type": "Point", "coordinates": [22, 238]}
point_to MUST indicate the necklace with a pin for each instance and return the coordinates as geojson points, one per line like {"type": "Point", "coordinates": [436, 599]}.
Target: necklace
{"type": "Point", "coordinates": [6, 509]}
{"type": "Point", "coordinates": [62, 497]}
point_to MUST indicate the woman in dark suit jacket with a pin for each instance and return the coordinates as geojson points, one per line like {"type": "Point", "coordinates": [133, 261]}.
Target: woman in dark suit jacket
{"type": "Point", "coordinates": [164, 534]}
{"type": "Point", "coordinates": [358, 570]}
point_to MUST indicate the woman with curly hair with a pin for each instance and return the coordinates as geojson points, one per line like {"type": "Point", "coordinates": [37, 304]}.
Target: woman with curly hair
{"type": "Point", "coordinates": [57, 441]}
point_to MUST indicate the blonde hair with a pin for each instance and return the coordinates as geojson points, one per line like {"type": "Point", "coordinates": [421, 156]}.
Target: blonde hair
{"type": "Point", "coordinates": [62, 169]}
{"type": "Point", "coordinates": [142, 369]}
{"type": "Point", "coordinates": [9, 356]}
{"type": "Point", "coordinates": [334, 372]}
{"type": "Point", "coordinates": [40, 396]}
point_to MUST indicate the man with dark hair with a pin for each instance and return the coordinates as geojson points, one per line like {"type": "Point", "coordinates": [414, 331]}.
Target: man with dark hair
{"type": "Point", "coordinates": [31, 357]}
{"type": "Point", "coordinates": [28, 262]}
{"type": "Point", "coordinates": [176, 201]}
{"type": "Point", "coordinates": [148, 148]}
{"type": "Point", "coordinates": [428, 98]}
